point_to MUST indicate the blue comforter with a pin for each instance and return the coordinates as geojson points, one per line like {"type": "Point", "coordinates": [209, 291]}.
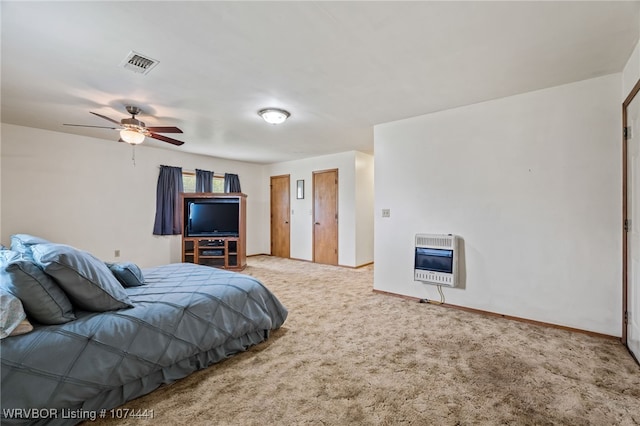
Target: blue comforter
{"type": "Point", "coordinates": [185, 318]}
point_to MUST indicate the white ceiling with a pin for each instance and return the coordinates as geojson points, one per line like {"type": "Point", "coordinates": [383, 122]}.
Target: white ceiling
{"type": "Point", "coordinates": [338, 67]}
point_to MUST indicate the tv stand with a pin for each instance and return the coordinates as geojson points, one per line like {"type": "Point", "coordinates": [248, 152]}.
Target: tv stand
{"type": "Point", "coordinates": [216, 251]}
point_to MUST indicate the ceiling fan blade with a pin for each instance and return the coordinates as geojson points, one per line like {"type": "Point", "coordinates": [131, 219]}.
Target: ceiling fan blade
{"type": "Point", "coordinates": [164, 129]}
{"type": "Point", "coordinates": [165, 139]}
{"type": "Point", "coordinates": [97, 127]}
{"type": "Point", "coordinates": [106, 118]}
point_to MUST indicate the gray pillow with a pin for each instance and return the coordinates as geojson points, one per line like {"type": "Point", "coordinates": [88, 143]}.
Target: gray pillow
{"type": "Point", "coordinates": [22, 243]}
{"type": "Point", "coordinates": [86, 279]}
{"type": "Point", "coordinates": [43, 300]}
{"type": "Point", "coordinates": [128, 273]}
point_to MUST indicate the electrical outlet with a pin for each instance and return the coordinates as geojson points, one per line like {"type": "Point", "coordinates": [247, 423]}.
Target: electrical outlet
{"type": "Point", "coordinates": [116, 253]}
{"type": "Point", "coordinates": [386, 212]}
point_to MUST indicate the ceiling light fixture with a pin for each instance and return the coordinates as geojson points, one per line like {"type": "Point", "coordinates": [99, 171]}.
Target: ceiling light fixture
{"type": "Point", "coordinates": [274, 115]}
{"type": "Point", "coordinates": [131, 136]}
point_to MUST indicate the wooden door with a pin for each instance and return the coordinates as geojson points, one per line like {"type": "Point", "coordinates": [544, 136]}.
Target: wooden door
{"type": "Point", "coordinates": [631, 292]}
{"type": "Point", "coordinates": [280, 208]}
{"type": "Point", "coordinates": [325, 217]}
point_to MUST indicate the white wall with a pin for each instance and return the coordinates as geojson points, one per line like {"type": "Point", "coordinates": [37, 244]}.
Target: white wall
{"type": "Point", "coordinates": [631, 72]}
{"type": "Point", "coordinates": [355, 204]}
{"type": "Point", "coordinates": [532, 183]}
{"type": "Point", "coordinates": [364, 196]}
{"type": "Point", "coordinates": [86, 192]}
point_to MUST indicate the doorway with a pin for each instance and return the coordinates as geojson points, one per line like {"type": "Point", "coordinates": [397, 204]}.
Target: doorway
{"type": "Point", "coordinates": [631, 221]}
{"type": "Point", "coordinates": [280, 208]}
{"type": "Point", "coordinates": [325, 217]}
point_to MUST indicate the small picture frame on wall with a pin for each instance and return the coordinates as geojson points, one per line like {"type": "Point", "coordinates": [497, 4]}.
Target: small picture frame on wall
{"type": "Point", "coordinates": [300, 189]}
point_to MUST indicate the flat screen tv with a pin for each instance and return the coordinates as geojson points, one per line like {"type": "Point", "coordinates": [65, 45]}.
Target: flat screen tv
{"type": "Point", "coordinates": [218, 217]}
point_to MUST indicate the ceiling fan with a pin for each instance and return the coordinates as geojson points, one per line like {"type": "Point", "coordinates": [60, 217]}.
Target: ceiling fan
{"type": "Point", "coordinates": [133, 131]}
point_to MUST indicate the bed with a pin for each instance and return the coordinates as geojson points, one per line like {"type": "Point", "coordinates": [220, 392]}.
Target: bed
{"type": "Point", "coordinates": [185, 317]}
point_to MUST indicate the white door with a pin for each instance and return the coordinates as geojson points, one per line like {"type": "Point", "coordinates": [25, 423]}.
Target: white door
{"type": "Point", "coordinates": [633, 214]}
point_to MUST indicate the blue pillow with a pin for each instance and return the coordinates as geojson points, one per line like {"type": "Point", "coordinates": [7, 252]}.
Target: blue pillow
{"type": "Point", "coordinates": [128, 273]}
{"type": "Point", "coordinates": [41, 297]}
{"type": "Point", "coordinates": [22, 243]}
{"type": "Point", "coordinates": [6, 256]}
{"type": "Point", "coordinates": [12, 313]}
{"type": "Point", "coordinates": [86, 279]}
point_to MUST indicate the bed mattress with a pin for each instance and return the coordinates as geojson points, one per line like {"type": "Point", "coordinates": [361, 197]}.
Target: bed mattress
{"type": "Point", "coordinates": [186, 317]}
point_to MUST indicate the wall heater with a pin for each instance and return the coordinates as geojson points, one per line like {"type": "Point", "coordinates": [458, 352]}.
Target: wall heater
{"type": "Point", "coordinates": [436, 259]}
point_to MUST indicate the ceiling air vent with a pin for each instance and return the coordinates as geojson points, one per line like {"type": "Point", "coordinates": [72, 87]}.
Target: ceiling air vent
{"type": "Point", "coordinates": [138, 63]}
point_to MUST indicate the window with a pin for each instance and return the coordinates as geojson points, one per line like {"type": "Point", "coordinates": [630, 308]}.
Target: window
{"type": "Point", "coordinates": [218, 183]}
{"type": "Point", "coordinates": [189, 182]}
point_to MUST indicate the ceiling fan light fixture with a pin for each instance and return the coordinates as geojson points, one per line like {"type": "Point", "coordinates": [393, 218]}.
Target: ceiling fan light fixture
{"type": "Point", "coordinates": [274, 115]}
{"type": "Point", "coordinates": [131, 136]}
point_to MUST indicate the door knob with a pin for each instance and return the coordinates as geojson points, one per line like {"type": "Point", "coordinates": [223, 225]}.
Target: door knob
{"type": "Point", "coordinates": [286, 221]}
{"type": "Point", "coordinates": [317, 223]}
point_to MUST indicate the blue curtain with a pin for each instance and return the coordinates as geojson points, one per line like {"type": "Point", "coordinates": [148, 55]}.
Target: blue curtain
{"type": "Point", "coordinates": [168, 201]}
{"type": "Point", "coordinates": [204, 181]}
{"type": "Point", "coordinates": [231, 183]}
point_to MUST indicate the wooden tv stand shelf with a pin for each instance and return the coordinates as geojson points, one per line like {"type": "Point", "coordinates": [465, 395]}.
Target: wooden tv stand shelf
{"type": "Point", "coordinates": [219, 252]}
{"type": "Point", "coordinates": [227, 252]}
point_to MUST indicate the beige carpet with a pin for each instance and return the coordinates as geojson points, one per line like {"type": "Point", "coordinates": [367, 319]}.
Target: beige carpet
{"type": "Point", "coordinates": [348, 356]}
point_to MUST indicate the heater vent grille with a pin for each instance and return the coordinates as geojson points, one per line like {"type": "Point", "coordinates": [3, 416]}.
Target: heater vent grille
{"type": "Point", "coordinates": [435, 241]}
{"type": "Point", "coordinates": [434, 278]}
